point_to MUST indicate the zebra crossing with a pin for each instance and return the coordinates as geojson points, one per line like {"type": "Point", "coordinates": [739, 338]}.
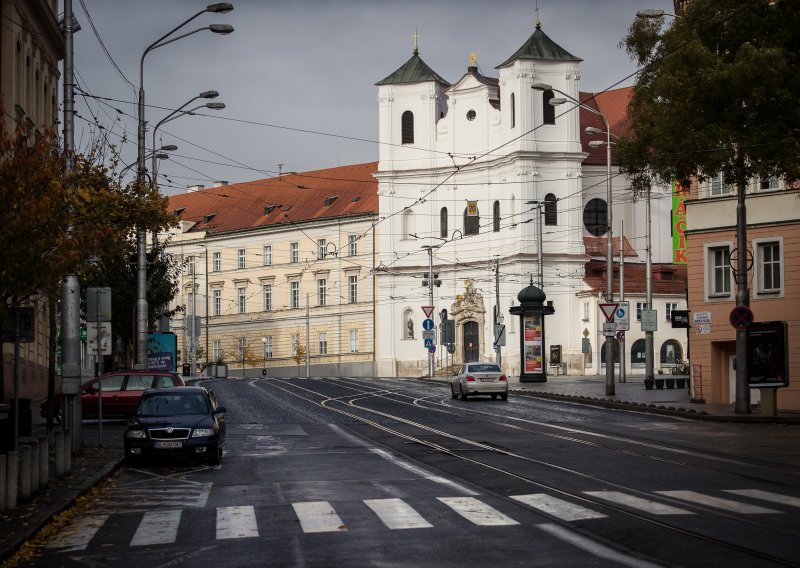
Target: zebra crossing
{"type": "Point", "coordinates": [160, 526]}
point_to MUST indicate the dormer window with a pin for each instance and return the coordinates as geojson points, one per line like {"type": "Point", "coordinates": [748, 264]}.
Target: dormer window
{"type": "Point", "coordinates": [407, 127]}
{"type": "Point", "coordinates": [329, 200]}
{"type": "Point", "coordinates": [548, 110]}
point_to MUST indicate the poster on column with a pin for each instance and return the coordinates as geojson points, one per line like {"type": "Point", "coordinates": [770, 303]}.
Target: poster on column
{"type": "Point", "coordinates": [532, 343]}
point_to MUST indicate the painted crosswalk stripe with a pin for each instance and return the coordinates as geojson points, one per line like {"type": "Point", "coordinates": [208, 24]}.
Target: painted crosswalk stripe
{"type": "Point", "coordinates": [78, 535]}
{"type": "Point", "coordinates": [318, 516]}
{"type": "Point", "coordinates": [236, 522]}
{"type": "Point", "coordinates": [157, 527]}
{"type": "Point", "coordinates": [477, 512]}
{"type": "Point", "coordinates": [397, 514]}
{"type": "Point", "coordinates": [766, 496]}
{"type": "Point", "coordinates": [718, 502]}
{"type": "Point", "coordinates": [646, 505]}
{"type": "Point", "coordinates": [559, 508]}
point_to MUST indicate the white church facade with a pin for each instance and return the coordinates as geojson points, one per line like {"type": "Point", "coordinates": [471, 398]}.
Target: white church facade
{"type": "Point", "coordinates": [466, 173]}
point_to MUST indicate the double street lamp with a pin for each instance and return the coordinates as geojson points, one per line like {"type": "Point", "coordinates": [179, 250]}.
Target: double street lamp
{"type": "Point", "coordinates": [140, 362]}
{"type": "Point", "coordinates": [609, 296]}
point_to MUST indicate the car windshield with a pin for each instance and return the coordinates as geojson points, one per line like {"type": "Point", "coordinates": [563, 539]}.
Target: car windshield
{"type": "Point", "coordinates": [173, 405]}
{"type": "Point", "coordinates": [487, 368]}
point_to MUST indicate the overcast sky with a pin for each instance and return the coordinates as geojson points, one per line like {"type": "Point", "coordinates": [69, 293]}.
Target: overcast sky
{"type": "Point", "coordinates": [298, 77]}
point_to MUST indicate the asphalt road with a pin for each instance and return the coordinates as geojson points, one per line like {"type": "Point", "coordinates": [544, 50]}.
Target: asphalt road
{"type": "Point", "coordinates": [354, 472]}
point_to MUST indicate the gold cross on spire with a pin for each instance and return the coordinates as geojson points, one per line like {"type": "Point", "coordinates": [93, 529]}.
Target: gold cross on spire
{"type": "Point", "coordinates": [415, 37]}
{"type": "Point", "coordinates": [538, 22]}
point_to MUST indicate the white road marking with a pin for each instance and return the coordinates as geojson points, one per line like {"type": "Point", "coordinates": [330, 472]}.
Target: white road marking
{"type": "Point", "coordinates": [318, 516]}
{"type": "Point", "coordinates": [599, 550]}
{"type": "Point", "coordinates": [718, 502]}
{"type": "Point", "coordinates": [477, 512]}
{"type": "Point", "coordinates": [766, 496]}
{"type": "Point", "coordinates": [564, 510]}
{"type": "Point", "coordinates": [397, 514]}
{"type": "Point", "coordinates": [157, 527]}
{"type": "Point", "coordinates": [236, 522]}
{"type": "Point", "coordinates": [78, 535]}
{"type": "Point", "coordinates": [646, 505]}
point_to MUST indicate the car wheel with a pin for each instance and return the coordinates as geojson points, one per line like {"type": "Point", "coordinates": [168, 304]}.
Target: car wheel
{"type": "Point", "coordinates": [216, 458]}
{"type": "Point", "coordinates": [504, 396]}
{"type": "Point", "coordinates": [463, 392]}
{"type": "Point", "coordinates": [453, 391]}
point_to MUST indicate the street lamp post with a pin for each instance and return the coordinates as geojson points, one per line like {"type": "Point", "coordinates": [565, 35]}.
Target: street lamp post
{"type": "Point", "coordinates": [140, 362]}
{"type": "Point", "coordinates": [609, 296]}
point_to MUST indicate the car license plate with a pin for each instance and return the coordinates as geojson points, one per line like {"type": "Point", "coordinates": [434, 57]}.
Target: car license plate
{"type": "Point", "coordinates": [168, 445]}
{"type": "Point", "coordinates": [487, 380]}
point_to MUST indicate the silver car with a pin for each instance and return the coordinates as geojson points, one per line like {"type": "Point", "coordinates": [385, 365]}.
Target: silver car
{"type": "Point", "coordinates": [479, 378]}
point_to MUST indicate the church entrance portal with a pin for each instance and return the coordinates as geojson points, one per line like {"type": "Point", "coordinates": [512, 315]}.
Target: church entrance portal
{"type": "Point", "coordinates": [471, 341]}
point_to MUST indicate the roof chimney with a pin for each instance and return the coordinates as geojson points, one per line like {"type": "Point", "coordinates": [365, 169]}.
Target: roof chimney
{"type": "Point", "coordinates": [193, 188]}
{"type": "Point", "coordinates": [221, 183]}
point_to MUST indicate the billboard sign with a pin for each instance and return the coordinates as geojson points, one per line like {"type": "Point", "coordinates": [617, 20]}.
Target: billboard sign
{"type": "Point", "coordinates": [767, 352]}
{"type": "Point", "coordinates": [679, 195]}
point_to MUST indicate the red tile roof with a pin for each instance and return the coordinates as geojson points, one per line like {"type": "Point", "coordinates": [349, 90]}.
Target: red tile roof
{"type": "Point", "coordinates": [614, 106]}
{"type": "Point", "coordinates": [667, 279]}
{"type": "Point", "coordinates": [596, 246]}
{"type": "Point", "coordinates": [281, 200]}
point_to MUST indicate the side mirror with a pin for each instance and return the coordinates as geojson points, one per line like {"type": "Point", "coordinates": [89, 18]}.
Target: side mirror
{"type": "Point", "coordinates": [220, 410]}
{"type": "Point", "coordinates": [91, 390]}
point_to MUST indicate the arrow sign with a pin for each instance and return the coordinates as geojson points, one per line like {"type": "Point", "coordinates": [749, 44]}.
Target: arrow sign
{"type": "Point", "coordinates": [427, 310]}
{"type": "Point", "coordinates": [427, 324]}
{"type": "Point", "coordinates": [609, 310]}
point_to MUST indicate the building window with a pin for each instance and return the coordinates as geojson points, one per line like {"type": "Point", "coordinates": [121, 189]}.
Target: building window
{"type": "Point", "coordinates": [352, 289]}
{"type": "Point", "coordinates": [190, 265]}
{"type": "Point", "coordinates": [217, 302]}
{"type": "Point", "coordinates": [769, 267]}
{"type": "Point", "coordinates": [638, 353]}
{"type": "Point", "coordinates": [550, 209]}
{"type": "Point", "coordinates": [241, 299]}
{"type": "Point", "coordinates": [267, 347]}
{"type": "Point", "coordinates": [640, 306]}
{"type": "Point", "coordinates": [671, 352]}
{"type": "Point", "coordinates": [408, 324]}
{"type": "Point", "coordinates": [407, 127]}
{"type": "Point", "coordinates": [242, 255]}
{"type": "Point", "coordinates": [322, 291]}
{"type": "Point", "coordinates": [408, 224]}
{"type": "Point", "coordinates": [267, 254]}
{"type": "Point", "coordinates": [768, 184]}
{"type": "Point", "coordinates": [513, 111]}
{"type": "Point", "coordinates": [294, 294]}
{"type": "Point", "coordinates": [443, 222]}
{"type": "Point", "coordinates": [548, 110]}
{"type": "Point", "coordinates": [718, 185]}
{"type": "Point", "coordinates": [352, 245]}
{"type": "Point", "coordinates": [322, 342]}
{"type": "Point", "coordinates": [294, 252]}
{"type": "Point", "coordinates": [216, 350]}
{"type": "Point", "coordinates": [671, 306]}
{"type": "Point", "coordinates": [471, 114]}
{"type": "Point", "coordinates": [353, 341]}
{"type": "Point", "coordinates": [496, 217]}
{"type": "Point", "coordinates": [720, 271]}
{"type": "Point", "coordinates": [587, 306]}
{"type": "Point", "coordinates": [216, 263]}
{"type": "Point", "coordinates": [320, 249]}
{"type": "Point", "coordinates": [472, 223]}
{"type": "Point", "coordinates": [241, 345]}
{"type": "Point", "coordinates": [266, 290]}
{"type": "Point", "coordinates": [595, 217]}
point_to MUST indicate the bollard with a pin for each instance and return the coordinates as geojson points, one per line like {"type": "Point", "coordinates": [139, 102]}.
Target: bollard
{"type": "Point", "coordinates": [34, 466]}
{"type": "Point", "coordinates": [44, 458]}
{"type": "Point", "coordinates": [67, 451]}
{"type": "Point", "coordinates": [12, 476]}
{"type": "Point", "coordinates": [3, 466]}
{"type": "Point", "coordinates": [59, 445]}
{"type": "Point", "coordinates": [24, 473]}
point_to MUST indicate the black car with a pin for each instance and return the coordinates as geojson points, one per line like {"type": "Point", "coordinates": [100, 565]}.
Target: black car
{"type": "Point", "coordinates": [185, 422]}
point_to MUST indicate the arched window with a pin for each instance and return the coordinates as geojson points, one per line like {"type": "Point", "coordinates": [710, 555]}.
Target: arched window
{"type": "Point", "coordinates": [408, 127]}
{"type": "Point", "coordinates": [638, 353]}
{"type": "Point", "coordinates": [472, 223]}
{"type": "Point", "coordinates": [408, 324]}
{"type": "Point", "coordinates": [595, 217]}
{"type": "Point", "coordinates": [548, 110]}
{"type": "Point", "coordinates": [671, 352]}
{"type": "Point", "coordinates": [513, 112]}
{"type": "Point", "coordinates": [496, 217]}
{"type": "Point", "coordinates": [408, 223]}
{"type": "Point", "coordinates": [443, 223]}
{"type": "Point", "coordinates": [616, 351]}
{"type": "Point", "coordinates": [550, 209]}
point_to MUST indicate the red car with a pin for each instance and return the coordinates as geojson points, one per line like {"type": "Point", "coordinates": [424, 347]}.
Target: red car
{"type": "Point", "coordinates": [121, 392]}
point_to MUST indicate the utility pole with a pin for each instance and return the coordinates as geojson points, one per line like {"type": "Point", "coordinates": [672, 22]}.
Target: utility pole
{"type": "Point", "coordinates": [622, 298]}
{"type": "Point", "coordinates": [430, 303]}
{"type": "Point", "coordinates": [308, 339]}
{"type": "Point", "coordinates": [498, 356]}
{"type": "Point", "coordinates": [648, 335]}
{"type": "Point", "coordinates": [195, 332]}
{"type": "Point", "coordinates": [70, 287]}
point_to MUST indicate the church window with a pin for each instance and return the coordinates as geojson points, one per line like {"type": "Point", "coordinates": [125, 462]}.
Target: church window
{"type": "Point", "coordinates": [443, 223]}
{"type": "Point", "coordinates": [471, 223]}
{"type": "Point", "coordinates": [548, 110]}
{"type": "Point", "coordinates": [550, 209]}
{"type": "Point", "coordinates": [513, 112]}
{"type": "Point", "coordinates": [496, 217]}
{"type": "Point", "coordinates": [408, 224]}
{"type": "Point", "coordinates": [595, 217]}
{"type": "Point", "coordinates": [408, 127]}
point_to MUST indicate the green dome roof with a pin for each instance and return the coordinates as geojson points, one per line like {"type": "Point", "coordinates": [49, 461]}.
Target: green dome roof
{"type": "Point", "coordinates": [531, 294]}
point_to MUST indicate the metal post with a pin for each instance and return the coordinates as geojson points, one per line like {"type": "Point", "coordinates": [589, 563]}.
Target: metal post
{"type": "Point", "coordinates": [308, 337]}
{"type": "Point", "coordinates": [540, 254]}
{"type": "Point", "coordinates": [609, 265]}
{"type": "Point", "coordinates": [430, 299]}
{"type": "Point", "coordinates": [648, 335]}
{"type": "Point", "coordinates": [99, 377]}
{"type": "Point", "coordinates": [622, 298]}
{"type": "Point", "coordinates": [498, 356]}
{"type": "Point", "coordinates": [194, 334]}
{"type": "Point", "coordinates": [140, 361]}
{"type": "Point", "coordinates": [742, 405]}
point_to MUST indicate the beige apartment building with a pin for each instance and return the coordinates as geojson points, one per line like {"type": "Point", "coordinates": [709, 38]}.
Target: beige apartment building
{"type": "Point", "coordinates": [279, 268]}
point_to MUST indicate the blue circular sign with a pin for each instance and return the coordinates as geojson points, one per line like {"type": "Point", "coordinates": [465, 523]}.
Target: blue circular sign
{"type": "Point", "coordinates": [427, 324]}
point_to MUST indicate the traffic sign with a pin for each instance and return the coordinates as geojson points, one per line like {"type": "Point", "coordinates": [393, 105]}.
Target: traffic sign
{"type": "Point", "coordinates": [609, 329]}
{"type": "Point", "coordinates": [429, 334]}
{"type": "Point", "coordinates": [622, 317]}
{"type": "Point", "coordinates": [427, 310]}
{"type": "Point", "coordinates": [427, 324]}
{"type": "Point", "coordinates": [609, 310]}
{"type": "Point", "coordinates": [428, 342]}
{"type": "Point", "coordinates": [741, 317]}
{"type": "Point", "coordinates": [649, 320]}
{"type": "Point", "coordinates": [621, 335]}
{"type": "Point", "coordinates": [432, 349]}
